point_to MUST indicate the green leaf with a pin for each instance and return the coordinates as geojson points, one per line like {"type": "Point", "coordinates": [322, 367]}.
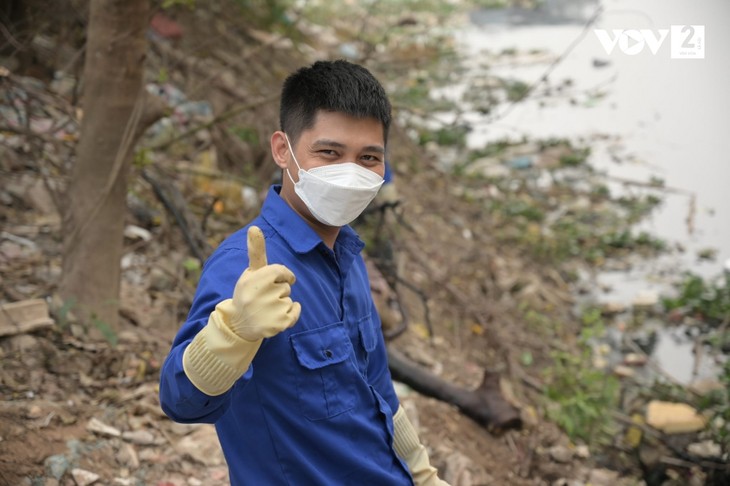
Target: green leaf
{"type": "Point", "coordinates": [105, 330]}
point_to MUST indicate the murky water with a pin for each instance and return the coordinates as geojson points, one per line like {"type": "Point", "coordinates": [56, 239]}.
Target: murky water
{"type": "Point", "coordinates": [645, 114]}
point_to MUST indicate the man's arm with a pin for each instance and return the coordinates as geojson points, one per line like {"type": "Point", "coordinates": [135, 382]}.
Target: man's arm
{"type": "Point", "coordinates": [206, 362]}
{"type": "Point", "coordinates": [179, 398]}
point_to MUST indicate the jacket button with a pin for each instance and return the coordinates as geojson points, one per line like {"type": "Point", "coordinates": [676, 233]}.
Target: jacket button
{"type": "Point", "coordinates": [328, 353]}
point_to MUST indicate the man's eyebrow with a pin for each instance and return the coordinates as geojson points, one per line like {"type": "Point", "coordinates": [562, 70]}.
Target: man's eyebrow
{"type": "Point", "coordinates": [374, 148]}
{"type": "Point", "coordinates": [324, 142]}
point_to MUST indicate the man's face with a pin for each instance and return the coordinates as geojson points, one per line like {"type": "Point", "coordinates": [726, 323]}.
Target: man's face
{"type": "Point", "coordinates": [335, 138]}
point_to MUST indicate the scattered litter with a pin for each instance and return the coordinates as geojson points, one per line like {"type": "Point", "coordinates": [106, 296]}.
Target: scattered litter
{"type": "Point", "coordinates": [673, 418]}
{"type": "Point", "coordinates": [97, 426]}
{"type": "Point", "coordinates": [24, 316]}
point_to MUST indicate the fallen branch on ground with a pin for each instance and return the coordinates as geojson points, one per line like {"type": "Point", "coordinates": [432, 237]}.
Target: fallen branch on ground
{"type": "Point", "coordinates": [485, 405]}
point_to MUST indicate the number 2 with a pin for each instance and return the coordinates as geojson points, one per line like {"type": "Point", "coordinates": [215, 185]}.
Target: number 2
{"type": "Point", "coordinates": [687, 44]}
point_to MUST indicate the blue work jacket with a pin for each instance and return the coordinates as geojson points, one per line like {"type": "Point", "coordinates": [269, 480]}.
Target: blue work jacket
{"type": "Point", "coordinates": [316, 405]}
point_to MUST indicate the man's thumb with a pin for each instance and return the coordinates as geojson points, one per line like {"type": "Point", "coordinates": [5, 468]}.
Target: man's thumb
{"type": "Point", "coordinates": [256, 248]}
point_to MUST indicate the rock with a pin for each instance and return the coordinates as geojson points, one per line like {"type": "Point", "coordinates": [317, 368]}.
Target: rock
{"type": "Point", "coordinates": [673, 418]}
{"type": "Point", "coordinates": [228, 80]}
{"type": "Point", "coordinates": [202, 446]}
{"type": "Point", "coordinates": [705, 449]}
{"type": "Point", "coordinates": [706, 386]}
{"type": "Point", "coordinates": [40, 198]}
{"type": "Point", "coordinates": [134, 232]}
{"type": "Point", "coordinates": [219, 474]}
{"type": "Point", "coordinates": [635, 359]}
{"type": "Point", "coordinates": [456, 471]}
{"type": "Point", "coordinates": [561, 453]}
{"type": "Point", "coordinates": [567, 482]}
{"type": "Point", "coordinates": [97, 426]}
{"type": "Point", "coordinates": [56, 466]}
{"type": "Point", "coordinates": [649, 457]}
{"type": "Point", "coordinates": [82, 477]}
{"type": "Point", "coordinates": [34, 412]}
{"type": "Point", "coordinates": [141, 437]}
{"type": "Point", "coordinates": [602, 477]}
{"type": "Point", "coordinates": [582, 451]}
{"type": "Point", "coordinates": [529, 416]}
{"type": "Point", "coordinates": [646, 299]}
{"type": "Point", "coordinates": [181, 429]}
{"type": "Point", "coordinates": [128, 337]}
{"type": "Point", "coordinates": [623, 371]}
{"type": "Point", "coordinates": [160, 280]}
{"type": "Point", "coordinates": [76, 449]}
{"type": "Point", "coordinates": [150, 455]}
{"type": "Point", "coordinates": [127, 456]}
{"type": "Point", "coordinates": [21, 343]}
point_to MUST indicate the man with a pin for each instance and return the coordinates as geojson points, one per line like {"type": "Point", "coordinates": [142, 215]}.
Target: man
{"type": "Point", "coordinates": [294, 375]}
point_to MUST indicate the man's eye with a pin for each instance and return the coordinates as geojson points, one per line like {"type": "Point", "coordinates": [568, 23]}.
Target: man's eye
{"type": "Point", "coordinates": [371, 159]}
{"type": "Point", "coordinates": [327, 152]}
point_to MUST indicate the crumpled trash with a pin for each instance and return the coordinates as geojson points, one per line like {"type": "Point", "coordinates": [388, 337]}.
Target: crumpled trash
{"type": "Point", "coordinates": [521, 162]}
{"type": "Point", "coordinates": [183, 112]}
{"type": "Point", "coordinates": [169, 93]}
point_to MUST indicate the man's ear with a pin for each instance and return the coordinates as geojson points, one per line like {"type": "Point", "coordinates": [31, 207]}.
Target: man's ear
{"type": "Point", "coordinates": [279, 149]}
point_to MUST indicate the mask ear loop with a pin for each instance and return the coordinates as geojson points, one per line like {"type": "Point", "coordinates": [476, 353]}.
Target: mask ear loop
{"type": "Point", "coordinates": [295, 160]}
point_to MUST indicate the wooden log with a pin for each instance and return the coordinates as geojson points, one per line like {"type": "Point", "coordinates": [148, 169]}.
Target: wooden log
{"type": "Point", "coordinates": [485, 405]}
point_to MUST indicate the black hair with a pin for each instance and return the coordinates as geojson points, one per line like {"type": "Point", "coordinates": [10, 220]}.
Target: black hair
{"type": "Point", "coordinates": [337, 86]}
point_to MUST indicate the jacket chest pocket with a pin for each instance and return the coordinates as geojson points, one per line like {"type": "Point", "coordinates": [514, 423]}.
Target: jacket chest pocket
{"type": "Point", "coordinates": [325, 381]}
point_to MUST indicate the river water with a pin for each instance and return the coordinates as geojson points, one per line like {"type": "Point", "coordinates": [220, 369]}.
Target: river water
{"type": "Point", "coordinates": [645, 114]}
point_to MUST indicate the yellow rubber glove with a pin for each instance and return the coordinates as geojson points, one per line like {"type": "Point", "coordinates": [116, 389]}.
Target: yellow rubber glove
{"type": "Point", "coordinates": [261, 307]}
{"type": "Point", "coordinates": [409, 448]}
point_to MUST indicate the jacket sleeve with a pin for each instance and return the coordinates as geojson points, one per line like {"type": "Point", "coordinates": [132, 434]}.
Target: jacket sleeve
{"type": "Point", "coordinates": [179, 398]}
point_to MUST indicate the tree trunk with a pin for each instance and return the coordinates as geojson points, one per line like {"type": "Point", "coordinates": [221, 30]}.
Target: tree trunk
{"type": "Point", "coordinates": [95, 203]}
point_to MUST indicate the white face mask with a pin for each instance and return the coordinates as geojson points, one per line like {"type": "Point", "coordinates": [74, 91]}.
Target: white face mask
{"type": "Point", "coordinates": [335, 194]}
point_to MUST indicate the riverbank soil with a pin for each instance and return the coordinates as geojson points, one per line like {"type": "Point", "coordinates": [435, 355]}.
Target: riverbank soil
{"type": "Point", "coordinates": [485, 283]}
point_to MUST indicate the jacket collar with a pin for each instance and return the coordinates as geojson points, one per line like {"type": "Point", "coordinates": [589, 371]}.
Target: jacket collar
{"type": "Point", "coordinates": [297, 233]}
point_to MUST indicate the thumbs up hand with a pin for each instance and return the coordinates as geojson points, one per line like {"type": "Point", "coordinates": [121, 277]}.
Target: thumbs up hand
{"type": "Point", "coordinates": [261, 306]}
